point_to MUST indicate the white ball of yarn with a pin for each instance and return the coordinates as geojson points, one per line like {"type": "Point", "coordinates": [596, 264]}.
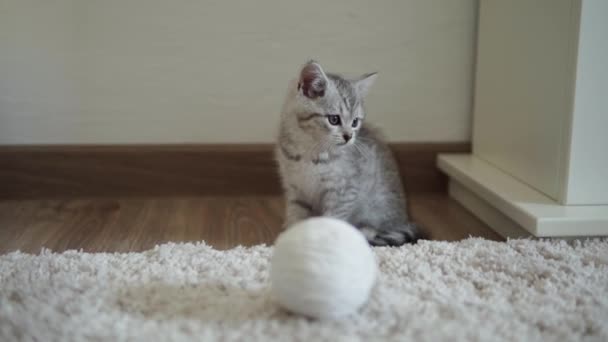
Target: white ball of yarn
{"type": "Point", "coordinates": [322, 268]}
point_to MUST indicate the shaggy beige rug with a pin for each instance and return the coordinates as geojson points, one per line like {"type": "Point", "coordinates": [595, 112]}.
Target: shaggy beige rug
{"type": "Point", "coordinates": [520, 290]}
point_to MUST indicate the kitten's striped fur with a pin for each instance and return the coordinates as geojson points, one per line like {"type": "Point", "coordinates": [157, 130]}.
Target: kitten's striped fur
{"type": "Point", "coordinates": [339, 170]}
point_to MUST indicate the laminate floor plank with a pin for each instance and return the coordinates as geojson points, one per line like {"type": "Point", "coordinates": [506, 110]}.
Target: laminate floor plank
{"type": "Point", "coordinates": [136, 224]}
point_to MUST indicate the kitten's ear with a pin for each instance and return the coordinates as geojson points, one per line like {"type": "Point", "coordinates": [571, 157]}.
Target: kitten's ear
{"type": "Point", "coordinates": [364, 83]}
{"type": "Point", "coordinates": [313, 81]}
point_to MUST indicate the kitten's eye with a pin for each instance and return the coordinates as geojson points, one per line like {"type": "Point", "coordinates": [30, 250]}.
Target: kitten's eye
{"type": "Point", "coordinates": [334, 119]}
{"type": "Point", "coordinates": [355, 122]}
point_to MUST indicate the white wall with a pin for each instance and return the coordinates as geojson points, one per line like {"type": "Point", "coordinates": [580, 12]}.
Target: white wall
{"type": "Point", "coordinates": [151, 71]}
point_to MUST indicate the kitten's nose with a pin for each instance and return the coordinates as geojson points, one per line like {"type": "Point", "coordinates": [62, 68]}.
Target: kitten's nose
{"type": "Point", "coordinates": [346, 137]}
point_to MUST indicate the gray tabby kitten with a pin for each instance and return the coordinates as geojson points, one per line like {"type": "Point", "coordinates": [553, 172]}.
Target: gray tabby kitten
{"type": "Point", "coordinates": [333, 164]}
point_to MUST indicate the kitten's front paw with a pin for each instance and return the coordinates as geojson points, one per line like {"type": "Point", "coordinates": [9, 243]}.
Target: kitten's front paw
{"type": "Point", "coordinates": [391, 237]}
{"type": "Point", "coordinates": [369, 233]}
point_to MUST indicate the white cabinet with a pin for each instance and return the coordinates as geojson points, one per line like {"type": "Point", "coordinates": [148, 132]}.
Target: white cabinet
{"type": "Point", "coordinates": [540, 122]}
{"type": "Point", "coordinates": [585, 178]}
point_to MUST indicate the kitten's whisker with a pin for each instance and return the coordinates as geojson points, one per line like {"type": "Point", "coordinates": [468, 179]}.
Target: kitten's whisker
{"type": "Point", "coordinates": [361, 150]}
{"type": "Point", "coordinates": [318, 148]}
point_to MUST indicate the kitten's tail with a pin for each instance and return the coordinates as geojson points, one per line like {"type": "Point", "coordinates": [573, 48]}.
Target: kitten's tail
{"type": "Point", "coordinates": [396, 235]}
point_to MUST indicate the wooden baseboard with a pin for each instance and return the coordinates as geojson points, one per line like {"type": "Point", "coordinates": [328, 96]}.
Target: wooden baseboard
{"type": "Point", "coordinates": [177, 170]}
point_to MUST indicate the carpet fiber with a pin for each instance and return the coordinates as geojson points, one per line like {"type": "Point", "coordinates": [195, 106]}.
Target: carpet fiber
{"type": "Point", "coordinates": [521, 290]}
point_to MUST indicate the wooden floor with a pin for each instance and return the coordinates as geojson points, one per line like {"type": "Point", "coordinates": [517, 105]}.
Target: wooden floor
{"type": "Point", "coordinates": [136, 224]}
